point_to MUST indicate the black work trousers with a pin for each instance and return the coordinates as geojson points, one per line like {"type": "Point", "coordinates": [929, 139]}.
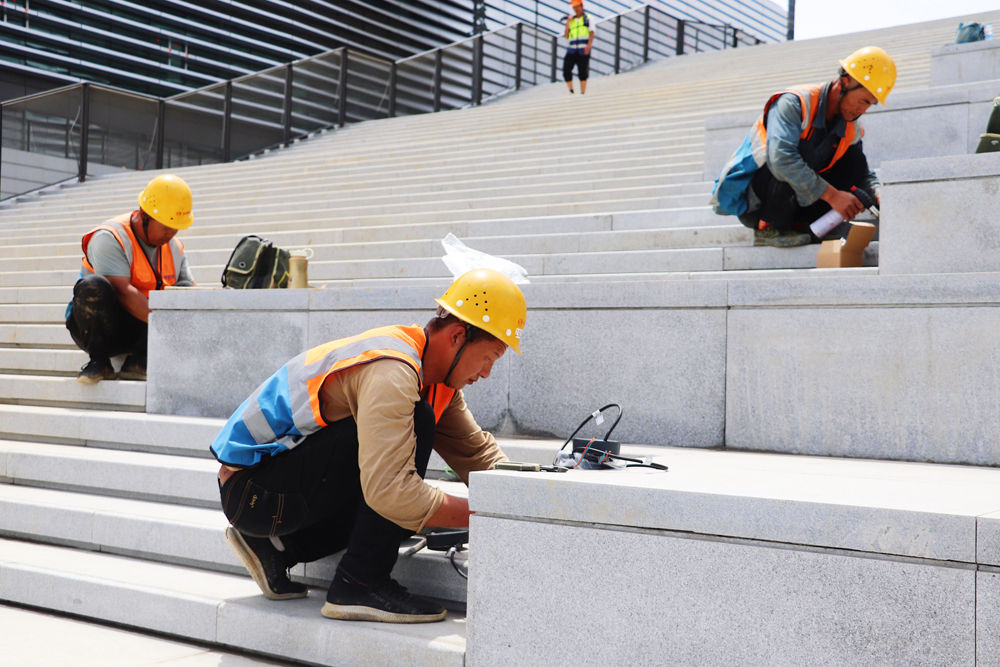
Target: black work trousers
{"type": "Point", "coordinates": [582, 63]}
{"type": "Point", "coordinates": [311, 497]}
{"type": "Point", "coordinates": [100, 325]}
{"type": "Point", "coordinates": [781, 209]}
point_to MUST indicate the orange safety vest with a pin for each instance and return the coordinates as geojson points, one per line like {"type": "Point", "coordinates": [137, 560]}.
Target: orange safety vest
{"type": "Point", "coordinates": [729, 196]}
{"type": "Point", "coordinates": [143, 276]}
{"type": "Point", "coordinates": [285, 408]}
{"type": "Point", "coordinates": [810, 108]}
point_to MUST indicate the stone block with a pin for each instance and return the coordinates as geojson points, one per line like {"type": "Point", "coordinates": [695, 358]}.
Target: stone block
{"type": "Point", "coordinates": [233, 356]}
{"type": "Point", "coordinates": [842, 389]}
{"type": "Point", "coordinates": [693, 599]}
{"type": "Point", "coordinates": [987, 619]}
{"type": "Point", "coordinates": [922, 202]}
{"type": "Point", "coordinates": [988, 539]}
{"type": "Point", "coordinates": [665, 366]}
{"type": "Point", "coordinates": [897, 509]}
{"type": "Point", "coordinates": [965, 63]}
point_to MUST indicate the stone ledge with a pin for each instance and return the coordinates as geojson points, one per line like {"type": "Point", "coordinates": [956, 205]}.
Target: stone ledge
{"type": "Point", "coordinates": [946, 168]}
{"type": "Point", "coordinates": [909, 510]}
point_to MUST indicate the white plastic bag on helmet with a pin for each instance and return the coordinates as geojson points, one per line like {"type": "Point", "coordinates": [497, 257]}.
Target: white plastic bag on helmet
{"type": "Point", "coordinates": [460, 259]}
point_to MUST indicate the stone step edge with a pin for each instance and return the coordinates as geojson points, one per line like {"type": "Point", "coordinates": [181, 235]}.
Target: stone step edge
{"type": "Point", "coordinates": [114, 525]}
{"type": "Point", "coordinates": [218, 609]}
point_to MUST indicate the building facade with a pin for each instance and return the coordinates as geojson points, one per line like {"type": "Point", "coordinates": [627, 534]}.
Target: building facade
{"type": "Point", "coordinates": [164, 47]}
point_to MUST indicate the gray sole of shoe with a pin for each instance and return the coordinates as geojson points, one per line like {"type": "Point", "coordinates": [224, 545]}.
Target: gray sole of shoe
{"type": "Point", "coordinates": [253, 566]}
{"type": "Point", "coordinates": [357, 613]}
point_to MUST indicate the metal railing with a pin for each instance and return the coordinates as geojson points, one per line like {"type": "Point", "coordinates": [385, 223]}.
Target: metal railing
{"type": "Point", "coordinates": [238, 118]}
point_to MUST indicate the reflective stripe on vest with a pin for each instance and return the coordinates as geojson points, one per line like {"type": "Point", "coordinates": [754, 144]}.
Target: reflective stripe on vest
{"type": "Point", "coordinates": [143, 277]}
{"type": "Point", "coordinates": [579, 32]}
{"type": "Point", "coordinates": [286, 407]}
{"type": "Point", "coordinates": [809, 100]}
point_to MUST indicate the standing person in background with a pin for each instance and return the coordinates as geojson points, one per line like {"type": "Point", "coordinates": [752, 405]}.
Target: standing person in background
{"type": "Point", "coordinates": [580, 32]}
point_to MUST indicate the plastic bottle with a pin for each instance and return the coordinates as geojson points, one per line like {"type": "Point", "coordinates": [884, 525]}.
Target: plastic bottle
{"type": "Point", "coordinates": [826, 222]}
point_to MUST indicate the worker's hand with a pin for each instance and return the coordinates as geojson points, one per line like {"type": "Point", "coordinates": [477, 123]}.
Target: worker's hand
{"type": "Point", "coordinates": [844, 203]}
{"type": "Point", "coordinates": [586, 50]}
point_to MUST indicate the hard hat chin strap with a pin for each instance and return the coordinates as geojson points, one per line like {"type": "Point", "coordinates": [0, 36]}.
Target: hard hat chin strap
{"type": "Point", "coordinates": [844, 89]}
{"type": "Point", "coordinates": [458, 355]}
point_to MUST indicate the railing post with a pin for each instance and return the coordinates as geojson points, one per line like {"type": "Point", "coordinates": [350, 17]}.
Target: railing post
{"type": "Point", "coordinates": [645, 35]}
{"type": "Point", "coordinates": [392, 90]}
{"type": "Point", "coordinates": [81, 173]}
{"type": "Point", "coordinates": [618, 43]}
{"type": "Point", "coordinates": [227, 123]}
{"type": "Point", "coordinates": [736, 36]}
{"type": "Point", "coordinates": [438, 58]}
{"type": "Point", "coordinates": [555, 55]}
{"type": "Point", "coordinates": [517, 58]}
{"type": "Point", "coordinates": [161, 131]}
{"type": "Point", "coordinates": [680, 37]}
{"type": "Point", "coordinates": [342, 89]}
{"type": "Point", "coordinates": [1, 150]}
{"type": "Point", "coordinates": [477, 66]}
{"type": "Point", "coordinates": [286, 113]}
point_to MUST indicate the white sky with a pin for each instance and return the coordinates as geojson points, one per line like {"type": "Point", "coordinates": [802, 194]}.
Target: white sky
{"type": "Point", "coordinates": [819, 18]}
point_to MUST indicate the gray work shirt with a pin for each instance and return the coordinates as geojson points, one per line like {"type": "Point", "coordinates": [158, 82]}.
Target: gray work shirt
{"type": "Point", "coordinates": [108, 257]}
{"type": "Point", "coordinates": [784, 159]}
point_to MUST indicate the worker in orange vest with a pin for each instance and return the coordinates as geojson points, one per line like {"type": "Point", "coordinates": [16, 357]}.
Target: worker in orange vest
{"type": "Point", "coordinates": [330, 452]}
{"type": "Point", "coordinates": [804, 154]}
{"type": "Point", "coordinates": [125, 259]}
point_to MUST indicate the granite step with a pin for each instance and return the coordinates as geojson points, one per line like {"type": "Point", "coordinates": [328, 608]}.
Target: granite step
{"type": "Point", "coordinates": [215, 608]}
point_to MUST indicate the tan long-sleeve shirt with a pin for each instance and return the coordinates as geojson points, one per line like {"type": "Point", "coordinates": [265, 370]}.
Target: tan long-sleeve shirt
{"type": "Point", "coordinates": [380, 396]}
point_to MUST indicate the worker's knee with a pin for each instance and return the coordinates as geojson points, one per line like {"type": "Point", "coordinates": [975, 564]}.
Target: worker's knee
{"type": "Point", "coordinates": [93, 287]}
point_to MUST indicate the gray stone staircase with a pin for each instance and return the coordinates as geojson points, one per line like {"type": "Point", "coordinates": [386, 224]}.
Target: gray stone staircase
{"type": "Point", "coordinates": [109, 512]}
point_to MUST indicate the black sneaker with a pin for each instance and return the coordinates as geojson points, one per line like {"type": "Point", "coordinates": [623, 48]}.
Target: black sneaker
{"type": "Point", "coordinates": [97, 369]}
{"type": "Point", "coordinates": [389, 602]}
{"type": "Point", "coordinates": [134, 368]}
{"type": "Point", "coordinates": [265, 565]}
{"type": "Point", "coordinates": [779, 239]}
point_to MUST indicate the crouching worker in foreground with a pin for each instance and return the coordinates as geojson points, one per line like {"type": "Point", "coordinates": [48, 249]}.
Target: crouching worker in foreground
{"type": "Point", "coordinates": [124, 260]}
{"type": "Point", "coordinates": [804, 154]}
{"type": "Point", "coordinates": [330, 452]}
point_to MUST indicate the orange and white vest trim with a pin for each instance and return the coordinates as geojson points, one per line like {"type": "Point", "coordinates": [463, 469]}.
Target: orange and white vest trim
{"type": "Point", "coordinates": [143, 276]}
{"type": "Point", "coordinates": [285, 409]}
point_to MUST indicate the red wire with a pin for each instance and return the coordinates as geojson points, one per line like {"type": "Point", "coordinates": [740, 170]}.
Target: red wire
{"type": "Point", "coordinates": [584, 453]}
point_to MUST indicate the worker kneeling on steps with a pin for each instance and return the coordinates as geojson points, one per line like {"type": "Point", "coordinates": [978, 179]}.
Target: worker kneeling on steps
{"type": "Point", "coordinates": [330, 452]}
{"type": "Point", "coordinates": [804, 153]}
{"type": "Point", "coordinates": [124, 259]}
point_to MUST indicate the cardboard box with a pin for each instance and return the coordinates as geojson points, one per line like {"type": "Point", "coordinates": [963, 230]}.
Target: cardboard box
{"type": "Point", "coordinates": [848, 251]}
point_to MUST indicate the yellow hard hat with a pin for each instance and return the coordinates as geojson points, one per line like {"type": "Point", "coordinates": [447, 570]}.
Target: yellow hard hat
{"type": "Point", "coordinates": [874, 69]}
{"type": "Point", "coordinates": [490, 301]}
{"type": "Point", "coordinates": [167, 199]}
